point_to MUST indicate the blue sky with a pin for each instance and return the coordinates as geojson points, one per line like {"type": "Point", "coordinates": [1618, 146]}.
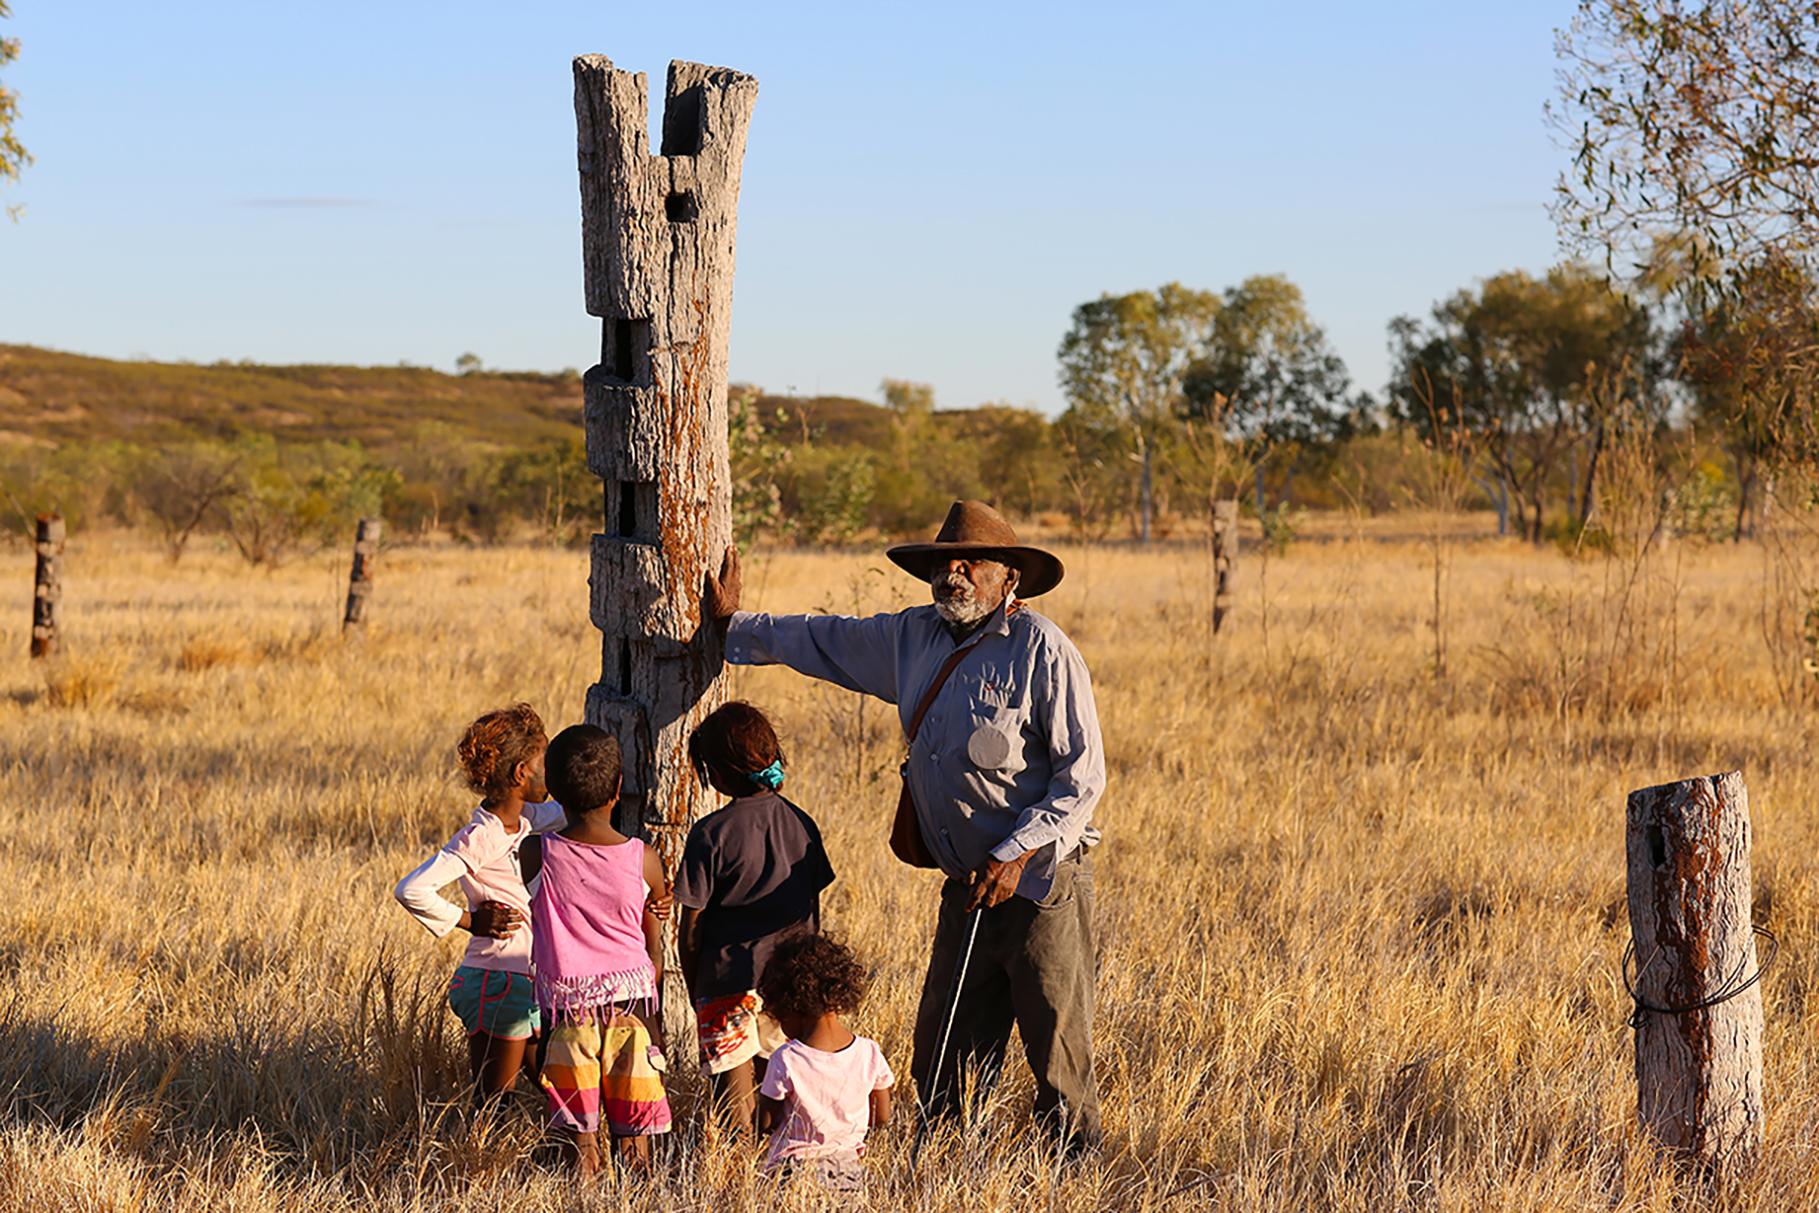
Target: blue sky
{"type": "Point", "coordinates": [928, 190]}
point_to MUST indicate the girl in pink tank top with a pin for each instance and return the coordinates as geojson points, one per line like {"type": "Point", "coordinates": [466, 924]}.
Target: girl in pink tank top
{"type": "Point", "coordinates": [588, 947]}
{"type": "Point", "coordinates": [597, 955]}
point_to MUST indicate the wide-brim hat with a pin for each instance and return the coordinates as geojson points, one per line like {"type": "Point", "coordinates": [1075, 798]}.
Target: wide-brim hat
{"type": "Point", "coordinates": [974, 529]}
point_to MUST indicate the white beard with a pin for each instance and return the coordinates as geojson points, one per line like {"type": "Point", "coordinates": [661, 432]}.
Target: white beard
{"type": "Point", "coordinates": [961, 612]}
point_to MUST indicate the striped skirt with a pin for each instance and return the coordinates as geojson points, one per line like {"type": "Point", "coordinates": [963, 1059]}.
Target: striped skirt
{"type": "Point", "coordinates": [600, 1070]}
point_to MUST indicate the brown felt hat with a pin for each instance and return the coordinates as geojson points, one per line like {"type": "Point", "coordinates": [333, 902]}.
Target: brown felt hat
{"type": "Point", "coordinates": [975, 529]}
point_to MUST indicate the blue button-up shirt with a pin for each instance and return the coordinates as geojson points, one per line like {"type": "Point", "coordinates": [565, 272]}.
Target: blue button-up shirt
{"type": "Point", "coordinates": [1009, 757]}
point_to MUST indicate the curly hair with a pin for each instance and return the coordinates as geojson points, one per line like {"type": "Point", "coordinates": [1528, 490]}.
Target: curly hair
{"type": "Point", "coordinates": [585, 768]}
{"type": "Point", "coordinates": [811, 975]}
{"type": "Point", "coordinates": [733, 742]}
{"type": "Point", "coordinates": [496, 743]}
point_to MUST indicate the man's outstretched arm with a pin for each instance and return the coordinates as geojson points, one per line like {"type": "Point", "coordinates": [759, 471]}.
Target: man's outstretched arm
{"type": "Point", "coordinates": [858, 654]}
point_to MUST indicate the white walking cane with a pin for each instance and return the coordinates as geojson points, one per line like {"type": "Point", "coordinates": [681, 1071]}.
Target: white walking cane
{"type": "Point", "coordinates": [947, 1030]}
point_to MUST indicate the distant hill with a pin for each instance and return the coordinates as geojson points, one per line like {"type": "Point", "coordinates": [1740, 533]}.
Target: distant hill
{"type": "Point", "coordinates": [52, 397]}
{"type": "Point", "coordinates": [48, 398]}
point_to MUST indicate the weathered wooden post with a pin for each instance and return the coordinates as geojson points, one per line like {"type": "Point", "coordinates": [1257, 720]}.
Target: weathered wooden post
{"type": "Point", "coordinates": [1225, 557]}
{"type": "Point", "coordinates": [47, 582]}
{"type": "Point", "coordinates": [360, 578]}
{"type": "Point", "coordinates": [657, 248]}
{"type": "Point", "coordinates": [1698, 1016]}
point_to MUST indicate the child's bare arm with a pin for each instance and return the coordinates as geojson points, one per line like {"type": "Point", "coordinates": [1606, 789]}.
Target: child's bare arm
{"type": "Point", "coordinates": [653, 943]}
{"type": "Point", "coordinates": [770, 1114]}
{"type": "Point", "coordinates": [419, 893]}
{"type": "Point", "coordinates": [881, 1107]}
{"type": "Point", "coordinates": [688, 945]}
{"type": "Point", "coordinates": [653, 923]}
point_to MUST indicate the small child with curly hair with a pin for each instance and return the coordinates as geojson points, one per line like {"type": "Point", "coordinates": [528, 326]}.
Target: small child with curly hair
{"type": "Point", "coordinates": [501, 756]}
{"type": "Point", "coordinates": [826, 1086]}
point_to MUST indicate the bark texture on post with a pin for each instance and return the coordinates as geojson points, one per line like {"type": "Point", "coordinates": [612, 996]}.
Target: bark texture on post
{"type": "Point", "coordinates": [360, 578]}
{"type": "Point", "coordinates": [47, 592]}
{"type": "Point", "coordinates": [657, 246]}
{"type": "Point", "coordinates": [1225, 558]}
{"type": "Point", "coordinates": [1698, 1071]}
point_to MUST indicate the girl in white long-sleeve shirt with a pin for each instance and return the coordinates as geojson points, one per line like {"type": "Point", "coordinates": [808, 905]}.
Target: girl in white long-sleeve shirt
{"type": "Point", "coordinates": [501, 755]}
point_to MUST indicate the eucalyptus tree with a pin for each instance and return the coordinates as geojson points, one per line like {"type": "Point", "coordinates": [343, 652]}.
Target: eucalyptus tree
{"type": "Point", "coordinates": [13, 156]}
{"type": "Point", "coordinates": [1270, 377]}
{"type": "Point", "coordinates": [1535, 367]}
{"type": "Point", "coordinates": [1123, 361]}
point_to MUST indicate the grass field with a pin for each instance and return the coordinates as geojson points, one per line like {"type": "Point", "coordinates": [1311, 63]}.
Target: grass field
{"type": "Point", "coordinates": [1359, 924]}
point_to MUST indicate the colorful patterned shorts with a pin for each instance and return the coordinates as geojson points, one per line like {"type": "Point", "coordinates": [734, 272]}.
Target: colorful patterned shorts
{"type": "Point", "coordinates": [600, 1070]}
{"type": "Point", "coordinates": [733, 1030]}
{"type": "Point", "coordinates": [497, 1003]}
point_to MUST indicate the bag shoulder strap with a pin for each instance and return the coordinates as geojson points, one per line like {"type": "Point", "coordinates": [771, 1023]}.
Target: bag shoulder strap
{"type": "Point", "coordinates": [934, 689]}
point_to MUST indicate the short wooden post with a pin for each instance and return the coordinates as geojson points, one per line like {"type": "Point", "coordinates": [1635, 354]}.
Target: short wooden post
{"type": "Point", "coordinates": [1225, 557]}
{"type": "Point", "coordinates": [1698, 1014]}
{"type": "Point", "coordinates": [360, 577]}
{"type": "Point", "coordinates": [47, 593]}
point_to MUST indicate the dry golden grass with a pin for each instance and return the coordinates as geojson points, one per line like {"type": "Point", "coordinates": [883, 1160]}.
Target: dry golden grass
{"type": "Point", "coordinates": [1359, 929]}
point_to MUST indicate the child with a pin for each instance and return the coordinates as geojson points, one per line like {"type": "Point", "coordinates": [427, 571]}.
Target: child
{"type": "Point", "coordinates": [598, 959]}
{"type": "Point", "coordinates": [501, 755]}
{"type": "Point", "coordinates": [751, 875]}
{"type": "Point", "coordinates": [826, 1086]}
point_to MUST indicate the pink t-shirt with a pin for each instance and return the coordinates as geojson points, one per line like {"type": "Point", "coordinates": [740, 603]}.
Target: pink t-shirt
{"type": "Point", "coordinates": [490, 857]}
{"type": "Point", "coordinates": [826, 1098]}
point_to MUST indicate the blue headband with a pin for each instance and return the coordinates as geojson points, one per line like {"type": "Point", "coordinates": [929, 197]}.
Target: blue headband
{"type": "Point", "coordinates": [770, 777]}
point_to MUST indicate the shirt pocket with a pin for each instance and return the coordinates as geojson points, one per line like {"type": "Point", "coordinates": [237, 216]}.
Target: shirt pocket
{"type": "Point", "coordinates": [990, 738]}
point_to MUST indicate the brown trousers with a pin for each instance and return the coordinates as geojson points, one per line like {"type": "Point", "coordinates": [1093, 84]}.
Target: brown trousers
{"type": "Point", "coordinates": [1032, 965]}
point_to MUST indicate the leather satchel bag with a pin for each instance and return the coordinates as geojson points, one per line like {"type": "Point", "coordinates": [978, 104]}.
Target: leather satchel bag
{"type": "Point", "coordinates": [907, 843]}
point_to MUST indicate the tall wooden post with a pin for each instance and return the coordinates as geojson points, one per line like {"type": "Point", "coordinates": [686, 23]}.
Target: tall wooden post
{"type": "Point", "coordinates": [1698, 1008]}
{"type": "Point", "coordinates": [657, 247]}
{"type": "Point", "coordinates": [1225, 558]}
{"type": "Point", "coordinates": [367, 533]}
{"type": "Point", "coordinates": [47, 582]}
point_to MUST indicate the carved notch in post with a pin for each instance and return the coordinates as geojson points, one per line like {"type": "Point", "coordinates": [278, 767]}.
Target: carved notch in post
{"type": "Point", "coordinates": [360, 578]}
{"type": "Point", "coordinates": [47, 583]}
{"type": "Point", "coordinates": [657, 236]}
{"type": "Point", "coordinates": [1698, 1014]}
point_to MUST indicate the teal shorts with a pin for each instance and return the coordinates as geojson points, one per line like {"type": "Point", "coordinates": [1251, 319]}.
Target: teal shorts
{"type": "Point", "coordinates": [496, 1003]}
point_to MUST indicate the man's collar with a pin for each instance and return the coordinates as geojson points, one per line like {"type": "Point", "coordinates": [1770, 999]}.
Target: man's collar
{"type": "Point", "coordinates": [998, 623]}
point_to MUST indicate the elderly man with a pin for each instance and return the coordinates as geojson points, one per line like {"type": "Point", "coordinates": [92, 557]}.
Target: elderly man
{"type": "Point", "coordinates": [1005, 768]}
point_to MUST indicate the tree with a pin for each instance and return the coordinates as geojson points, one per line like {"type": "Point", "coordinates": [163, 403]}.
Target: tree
{"type": "Point", "coordinates": [1092, 449]}
{"type": "Point", "coordinates": [1694, 118]}
{"type": "Point", "coordinates": [181, 486]}
{"type": "Point", "coordinates": [1124, 358]}
{"type": "Point", "coordinates": [1534, 366]}
{"type": "Point", "coordinates": [1269, 375]}
{"type": "Point", "coordinates": [759, 461]}
{"type": "Point", "coordinates": [549, 484]}
{"type": "Point", "coordinates": [13, 156]}
{"type": "Point", "coordinates": [1748, 361]}
{"type": "Point", "coordinates": [468, 364]}
{"type": "Point", "coordinates": [907, 399]}
{"type": "Point", "coordinates": [299, 493]}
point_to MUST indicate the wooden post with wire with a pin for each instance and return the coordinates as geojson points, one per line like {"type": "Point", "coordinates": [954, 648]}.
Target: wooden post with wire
{"type": "Point", "coordinates": [1692, 969]}
{"type": "Point", "coordinates": [367, 534]}
{"type": "Point", "coordinates": [1225, 558]}
{"type": "Point", "coordinates": [47, 582]}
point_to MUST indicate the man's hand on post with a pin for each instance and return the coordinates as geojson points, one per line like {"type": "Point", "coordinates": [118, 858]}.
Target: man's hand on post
{"type": "Point", "coordinates": [996, 882]}
{"type": "Point", "coordinates": [723, 592]}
